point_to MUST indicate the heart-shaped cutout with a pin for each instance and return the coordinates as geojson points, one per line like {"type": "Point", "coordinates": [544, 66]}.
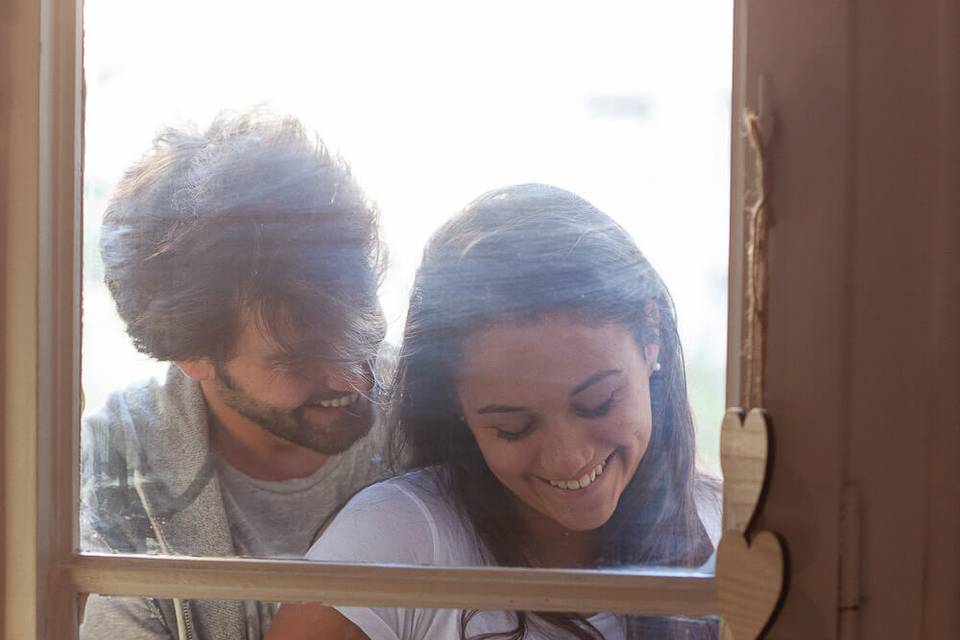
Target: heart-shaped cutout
{"type": "Point", "coordinates": [749, 581]}
{"type": "Point", "coordinates": [743, 458]}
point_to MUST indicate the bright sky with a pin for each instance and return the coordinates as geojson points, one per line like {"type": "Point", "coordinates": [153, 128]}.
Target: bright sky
{"type": "Point", "coordinates": [625, 103]}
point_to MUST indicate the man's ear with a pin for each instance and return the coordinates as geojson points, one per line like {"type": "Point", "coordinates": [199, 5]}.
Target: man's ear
{"type": "Point", "coordinates": [198, 370]}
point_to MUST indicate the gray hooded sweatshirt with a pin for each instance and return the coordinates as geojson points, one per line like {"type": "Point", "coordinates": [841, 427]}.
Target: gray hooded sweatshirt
{"type": "Point", "coordinates": [151, 484]}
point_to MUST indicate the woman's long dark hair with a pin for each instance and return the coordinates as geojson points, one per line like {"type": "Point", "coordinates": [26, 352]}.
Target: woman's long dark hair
{"type": "Point", "coordinates": [515, 255]}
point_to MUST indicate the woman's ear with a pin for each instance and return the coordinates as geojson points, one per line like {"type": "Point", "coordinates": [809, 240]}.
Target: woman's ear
{"type": "Point", "coordinates": [651, 354]}
{"type": "Point", "coordinates": [652, 314]}
{"type": "Point", "coordinates": [651, 351]}
{"type": "Point", "coordinates": [198, 370]}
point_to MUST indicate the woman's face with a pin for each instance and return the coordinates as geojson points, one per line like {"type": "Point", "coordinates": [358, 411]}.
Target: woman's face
{"type": "Point", "coordinates": [561, 412]}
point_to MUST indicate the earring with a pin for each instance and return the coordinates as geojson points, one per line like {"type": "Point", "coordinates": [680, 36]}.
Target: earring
{"type": "Point", "coordinates": [656, 366]}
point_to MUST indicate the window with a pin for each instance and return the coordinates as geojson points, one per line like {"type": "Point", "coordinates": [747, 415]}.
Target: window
{"type": "Point", "coordinates": [624, 104]}
{"type": "Point", "coordinates": [837, 77]}
{"type": "Point", "coordinates": [111, 575]}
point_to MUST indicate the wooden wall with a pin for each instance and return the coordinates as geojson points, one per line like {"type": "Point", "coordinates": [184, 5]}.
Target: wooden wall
{"type": "Point", "coordinates": [864, 360]}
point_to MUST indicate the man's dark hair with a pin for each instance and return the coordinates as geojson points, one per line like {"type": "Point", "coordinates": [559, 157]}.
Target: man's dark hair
{"type": "Point", "coordinates": [254, 218]}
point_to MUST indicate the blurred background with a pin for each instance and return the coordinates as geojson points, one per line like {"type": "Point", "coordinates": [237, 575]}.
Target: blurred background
{"type": "Point", "coordinates": [625, 103]}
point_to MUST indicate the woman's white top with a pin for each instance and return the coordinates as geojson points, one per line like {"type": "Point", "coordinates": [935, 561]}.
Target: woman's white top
{"type": "Point", "coordinates": [408, 520]}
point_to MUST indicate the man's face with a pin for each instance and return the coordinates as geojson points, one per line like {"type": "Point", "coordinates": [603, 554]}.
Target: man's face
{"type": "Point", "coordinates": [311, 403]}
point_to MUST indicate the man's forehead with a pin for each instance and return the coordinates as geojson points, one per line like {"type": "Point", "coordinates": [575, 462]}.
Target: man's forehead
{"type": "Point", "coordinates": [274, 334]}
{"type": "Point", "coordinates": [258, 338]}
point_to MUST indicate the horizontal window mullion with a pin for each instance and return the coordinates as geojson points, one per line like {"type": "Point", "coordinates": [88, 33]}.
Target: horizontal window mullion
{"type": "Point", "coordinates": [393, 586]}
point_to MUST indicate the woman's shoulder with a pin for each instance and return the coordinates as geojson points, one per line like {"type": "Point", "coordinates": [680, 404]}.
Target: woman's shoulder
{"type": "Point", "coordinates": [408, 519]}
{"type": "Point", "coordinates": [416, 495]}
{"type": "Point", "coordinates": [708, 494]}
{"type": "Point", "coordinates": [424, 483]}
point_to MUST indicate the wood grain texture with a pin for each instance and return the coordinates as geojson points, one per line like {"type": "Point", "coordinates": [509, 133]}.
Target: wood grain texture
{"type": "Point", "coordinates": [743, 458]}
{"type": "Point", "coordinates": [904, 418]}
{"type": "Point", "coordinates": [394, 586]}
{"type": "Point", "coordinates": [804, 49]}
{"type": "Point", "coordinates": [19, 124]}
{"type": "Point", "coordinates": [749, 582]}
{"type": "Point", "coordinates": [725, 632]}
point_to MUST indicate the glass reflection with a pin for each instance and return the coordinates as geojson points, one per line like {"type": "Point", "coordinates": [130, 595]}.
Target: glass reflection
{"type": "Point", "coordinates": [243, 263]}
{"type": "Point", "coordinates": [540, 399]}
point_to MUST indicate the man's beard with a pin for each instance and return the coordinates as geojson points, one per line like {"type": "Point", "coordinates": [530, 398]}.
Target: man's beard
{"type": "Point", "coordinates": [290, 424]}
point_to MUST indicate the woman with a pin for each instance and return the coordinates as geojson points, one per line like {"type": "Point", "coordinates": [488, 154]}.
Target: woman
{"type": "Point", "coordinates": [540, 393]}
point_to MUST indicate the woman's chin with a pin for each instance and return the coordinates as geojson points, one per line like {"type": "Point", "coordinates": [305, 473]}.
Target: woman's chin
{"type": "Point", "coordinates": [584, 523]}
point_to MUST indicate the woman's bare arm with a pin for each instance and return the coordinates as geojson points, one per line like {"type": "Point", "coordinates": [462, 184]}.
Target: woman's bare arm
{"type": "Point", "coordinates": [312, 621]}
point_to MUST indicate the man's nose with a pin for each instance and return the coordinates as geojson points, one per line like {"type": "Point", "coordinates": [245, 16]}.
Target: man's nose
{"type": "Point", "coordinates": [568, 450]}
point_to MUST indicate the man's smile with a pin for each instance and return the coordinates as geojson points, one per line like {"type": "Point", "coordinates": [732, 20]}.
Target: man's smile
{"type": "Point", "coordinates": [336, 402]}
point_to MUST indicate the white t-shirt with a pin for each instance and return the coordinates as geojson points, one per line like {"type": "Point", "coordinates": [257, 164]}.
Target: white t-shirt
{"type": "Point", "coordinates": [408, 520]}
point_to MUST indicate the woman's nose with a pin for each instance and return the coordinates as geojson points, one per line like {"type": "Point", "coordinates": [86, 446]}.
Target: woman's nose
{"type": "Point", "coordinates": [568, 451]}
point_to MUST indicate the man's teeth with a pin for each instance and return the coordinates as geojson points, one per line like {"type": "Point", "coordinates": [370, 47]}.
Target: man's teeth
{"type": "Point", "coordinates": [342, 401]}
{"type": "Point", "coordinates": [581, 483]}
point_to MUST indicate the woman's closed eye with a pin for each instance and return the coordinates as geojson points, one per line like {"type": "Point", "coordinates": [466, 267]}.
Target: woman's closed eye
{"type": "Point", "coordinates": [599, 410]}
{"type": "Point", "coordinates": [511, 433]}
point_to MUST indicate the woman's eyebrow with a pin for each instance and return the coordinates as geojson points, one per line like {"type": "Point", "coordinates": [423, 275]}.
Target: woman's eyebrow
{"type": "Point", "coordinates": [593, 379]}
{"type": "Point", "coordinates": [500, 408]}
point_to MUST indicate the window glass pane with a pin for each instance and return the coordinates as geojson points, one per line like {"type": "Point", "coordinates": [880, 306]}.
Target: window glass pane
{"type": "Point", "coordinates": [157, 619]}
{"type": "Point", "coordinates": [537, 387]}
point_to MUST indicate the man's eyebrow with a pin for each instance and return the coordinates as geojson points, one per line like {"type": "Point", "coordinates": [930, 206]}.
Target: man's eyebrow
{"type": "Point", "coordinates": [595, 378]}
{"type": "Point", "coordinates": [500, 408]}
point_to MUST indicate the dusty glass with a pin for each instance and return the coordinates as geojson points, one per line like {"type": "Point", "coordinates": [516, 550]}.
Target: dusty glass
{"type": "Point", "coordinates": [562, 347]}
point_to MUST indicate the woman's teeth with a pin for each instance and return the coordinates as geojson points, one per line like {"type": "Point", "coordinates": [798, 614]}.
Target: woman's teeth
{"type": "Point", "coordinates": [581, 483]}
{"type": "Point", "coordinates": [341, 401]}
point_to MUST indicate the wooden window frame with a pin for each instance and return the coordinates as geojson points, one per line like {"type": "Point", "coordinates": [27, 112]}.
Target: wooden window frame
{"type": "Point", "coordinates": [45, 576]}
{"type": "Point", "coordinates": [866, 236]}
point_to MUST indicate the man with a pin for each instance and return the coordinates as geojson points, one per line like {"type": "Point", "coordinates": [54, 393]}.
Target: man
{"type": "Point", "coordinates": [249, 258]}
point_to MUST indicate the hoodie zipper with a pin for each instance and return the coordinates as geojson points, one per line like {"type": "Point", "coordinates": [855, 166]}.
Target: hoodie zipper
{"type": "Point", "coordinates": [187, 620]}
{"type": "Point", "coordinates": [184, 619]}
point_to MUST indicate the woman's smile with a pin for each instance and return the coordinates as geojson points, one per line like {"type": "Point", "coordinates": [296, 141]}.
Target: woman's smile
{"type": "Point", "coordinates": [561, 413]}
{"type": "Point", "coordinates": [584, 481]}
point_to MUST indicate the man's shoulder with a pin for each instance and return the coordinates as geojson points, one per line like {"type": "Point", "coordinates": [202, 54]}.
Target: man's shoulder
{"type": "Point", "coordinates": [111, 435]}
{"type": "Point", "coordinates": [124, 407]}
{"type": "Point", "coordinates": [111, 516]}
{"type": "Point", "coordinates": [140, 408]}
{"type": "Point", "coordinates": [132, 447]}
